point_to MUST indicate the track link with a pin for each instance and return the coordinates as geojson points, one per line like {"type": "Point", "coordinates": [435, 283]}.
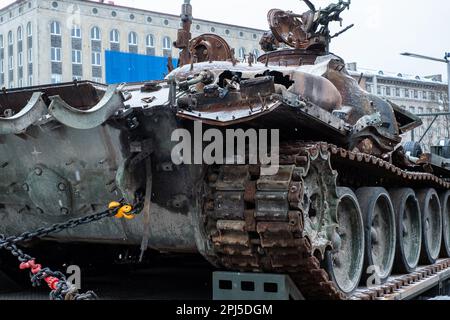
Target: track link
{"type": "Point", "coordinates": [257, 224]}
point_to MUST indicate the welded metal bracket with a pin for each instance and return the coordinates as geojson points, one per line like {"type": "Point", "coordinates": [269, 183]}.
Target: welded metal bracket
{"type": "Point", "coordinates": [29, 115]}
{"type": "Point", "coordinates": [111, 102]}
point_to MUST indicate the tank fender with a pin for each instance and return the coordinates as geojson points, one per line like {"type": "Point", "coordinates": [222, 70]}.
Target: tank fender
{"type": "Point", "coordinates": [111, 102]}
{"type": "Point", "coordinates": [29, 115]}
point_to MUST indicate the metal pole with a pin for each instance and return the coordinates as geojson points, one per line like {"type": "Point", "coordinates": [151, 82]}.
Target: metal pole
{"type": "Point", "coordinates": [447, 57]}
{"type": "Point", "coordinates": [428, 129]}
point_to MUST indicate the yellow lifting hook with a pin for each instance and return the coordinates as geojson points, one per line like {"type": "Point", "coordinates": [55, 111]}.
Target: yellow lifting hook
{"type": "Point", "coordinates": [123, 212]}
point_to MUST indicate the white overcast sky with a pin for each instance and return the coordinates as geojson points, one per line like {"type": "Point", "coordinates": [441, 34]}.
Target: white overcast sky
{"type": "Point", "coordinates": [384, 28]}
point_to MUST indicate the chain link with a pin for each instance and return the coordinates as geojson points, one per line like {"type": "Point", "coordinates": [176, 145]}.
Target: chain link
{"type": "Point", "coordinates": [63, 289]}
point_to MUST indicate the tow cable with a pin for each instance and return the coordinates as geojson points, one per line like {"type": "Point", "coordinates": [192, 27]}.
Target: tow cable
{"type": "Point", "coordinates": [61, 289]}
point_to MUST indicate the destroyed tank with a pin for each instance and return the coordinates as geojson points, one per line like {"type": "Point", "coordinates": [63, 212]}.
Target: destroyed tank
{"type": "Point", "coordinates": [345, 202]}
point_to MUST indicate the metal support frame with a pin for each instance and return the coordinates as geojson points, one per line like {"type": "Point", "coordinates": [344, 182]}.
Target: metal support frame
{"type": "Point", "coordinates": [424, 115]}
{"type": "Point", "coordinates": [264, 287]}
{"type": "Point", "coordinates": [254, 286]}
{"type": "Point", "coordinates": [428, 129]}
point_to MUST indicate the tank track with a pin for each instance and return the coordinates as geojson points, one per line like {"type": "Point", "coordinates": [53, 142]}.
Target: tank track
{"type": "Point", "coordinates": [274, 238]}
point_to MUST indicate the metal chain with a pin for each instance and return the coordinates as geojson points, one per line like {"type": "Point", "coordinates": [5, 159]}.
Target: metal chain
{"type": "Point", "coordinates": [61, 288]}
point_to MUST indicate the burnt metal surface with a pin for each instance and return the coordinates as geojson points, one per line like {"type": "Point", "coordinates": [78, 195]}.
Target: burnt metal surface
{"type": "Point", "coordinates": [308, 33]}
{"type": "Point", "coordinates": [206, 47]}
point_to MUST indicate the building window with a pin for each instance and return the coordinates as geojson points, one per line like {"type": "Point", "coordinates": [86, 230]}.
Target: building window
{"type": "Point", "coordinates": [255, 36]}
{"type": "Point", "coordinates": [20, 59]}
{"type": "Point", "coordinates": [242, 53]}
{"type": "Point", "coordinates": [166, 22]}
{"type": "Point", "coordinates": [55, 4]}
{"type": "Point", "coordinates": [416, 94]}
{"type": "Point", "coordinates": [150, 42]}
{"type": "Point", "coordinates": [76, 78]}
{"type": "Point", "coordinates": [10, 38]}
{"type": "Point", "coordinates": [1, 42]}
{"type": "Point", "coordinates": [256, 53]}
{"type": "Point", "coordinates": [425, 95]}
{"type": "Point", "coordinates": [167, 43]}
{"type": "Point", "coordinates": [113, 13]}
{"type": "Point", "coordinates": [432, 96]}
{"type": "Point", "coordinates": [149, 19]}
{"type": "Point", "coordinates": [213, 29]}
{"type": "Point", "coordinates": [95, 33]}
{"type": "Point", "coordinates": [407, 93]}
{"type": "Point", "coordinates": [55, 28]}
{"type": "Point", "coordinates": [76, 32]}
{"type": "Point", "coordinates": [412, 110]}
{"type": "Point", "coordinates": [96, 59]}
{"type": "Point", "coordinates": [20, 83]}
{"type": "Point", "coordinates": [56, 78]}
{"type": "Point", "coordinates": [114, 36]}
{"type": "Point", "coordinates": [55, 54]}
{"type": "Point", "coordinates": [11, 85]}
{"type": "Point", "coordinates": [29, 29]}
{"type": "Point", "coordinates": [132, 16]}
{"type": "Point", "coordinates": [76, 56]}
{"type": "Point", "coordinates": [95, 11]}
{"type": "Point", "coordinates": [30, 55]}
{"type": "Point", "coordinates": [132, 39]}
{"type": "Point", "coordinates": [397, 92]}
{"type": "Point", "coordinates": [19, 34]}
{"type": "Point", "coordinates": [30, 81]}
{"type": "Point", "coordinates": [11, 63]}
{"type": "Point", "coordinates": [388, 91]}
{"type": "Point", "coordinates": [369, 88]}
{"type": "Point", "coordinates": [227, 32]}
{"type": "Point", "coordinates": [379, 90]}
{"type": "Point", "coordinates": [241, 34]}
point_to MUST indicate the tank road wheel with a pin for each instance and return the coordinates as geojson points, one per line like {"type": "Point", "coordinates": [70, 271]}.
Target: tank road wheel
{"type": "Point", "coordinates": [380, 232]}
{"type": "Point", "coordinates": [344, 263]}
{"type": "Point", "coordinates": [409, 229]}
{"type": "Point", "coordinates": [445, 203]}
{"type": "Point", "coordinates": [431, 225]}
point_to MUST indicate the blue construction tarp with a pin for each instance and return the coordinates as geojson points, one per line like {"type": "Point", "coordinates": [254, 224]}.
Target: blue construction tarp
{"type": "Point", "coordinates": [131, 67]}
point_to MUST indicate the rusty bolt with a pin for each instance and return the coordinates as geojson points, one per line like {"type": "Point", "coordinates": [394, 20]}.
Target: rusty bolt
{"type": "Point", "coordinates": [64, 211]}
{"type": "Point", "coordinates": [38, 171]}
{"type": "Point", "coordinates": [62, 187]}
{"type": "Point", "coordinates": [26, 187]}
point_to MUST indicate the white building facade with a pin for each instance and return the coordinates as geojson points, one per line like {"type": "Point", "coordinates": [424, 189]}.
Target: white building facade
{"type": "Point", "coordinates": [52, 41]}
{"type": "Point", "coordinates": [416, 94]}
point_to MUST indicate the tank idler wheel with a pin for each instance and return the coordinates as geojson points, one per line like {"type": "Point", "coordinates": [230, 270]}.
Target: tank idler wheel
{"type": "Point", "coordinates": [409, 230]}
{"type": "Point", "coordinates": [380, 233]}
{"type": "Point", "coordinates": [445, 203]}
{"type": "Point", "coordinates": [430, 208]}
{"type": "Point", "coordinates": [344, 263]}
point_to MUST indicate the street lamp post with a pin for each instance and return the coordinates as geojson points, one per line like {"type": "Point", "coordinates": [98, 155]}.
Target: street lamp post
{"type": "Point", "coordinates": [446, 60]}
